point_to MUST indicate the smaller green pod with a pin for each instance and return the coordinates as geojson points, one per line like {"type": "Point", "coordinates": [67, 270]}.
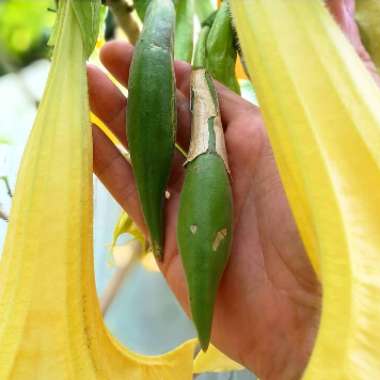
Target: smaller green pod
{"type": "Point", "coordinates": [204, 235]}
{"type": "Point", "coordinates": [221, 49]}
{"type": "Point", "coordinates": [205, 219]}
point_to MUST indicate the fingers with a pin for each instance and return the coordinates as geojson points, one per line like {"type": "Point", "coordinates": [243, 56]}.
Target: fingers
{"type": "Point", "coordinates": [233, 107]}
{"type": "Point", "coordinates": [117, 56]}
{"type": "Point", "coordinates": [107, 102]}
{"type": "Point", "coordinates": [116, 174]}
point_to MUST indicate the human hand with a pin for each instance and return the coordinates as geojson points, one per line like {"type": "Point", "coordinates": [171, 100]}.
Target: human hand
{"type": "Point", "coordinates": [268, 302]}
{"type": "Point", "coordinates": [268, 305]}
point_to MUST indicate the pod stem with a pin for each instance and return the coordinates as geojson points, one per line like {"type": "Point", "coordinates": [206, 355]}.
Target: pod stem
{"type": "Point", "coordinates": [207, 134]}
{"type": "Point", "coordinates": [123, 13]}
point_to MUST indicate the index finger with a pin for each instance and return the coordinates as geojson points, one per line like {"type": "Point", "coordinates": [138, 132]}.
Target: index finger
{"type": "Point", "coordinates": [116, 56]}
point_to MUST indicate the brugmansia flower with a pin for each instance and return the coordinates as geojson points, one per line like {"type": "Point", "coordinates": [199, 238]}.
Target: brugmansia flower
{"type": "Point", "coordinates": [321, 108]}
{"type": "Point", "coordinates": [50, 323]}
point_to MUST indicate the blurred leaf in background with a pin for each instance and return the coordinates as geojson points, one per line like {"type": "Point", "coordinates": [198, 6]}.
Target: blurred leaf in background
{"type": "Point", "coordinates": [25, 27]}
{"type": "Point", "coordinates": [204, 8]}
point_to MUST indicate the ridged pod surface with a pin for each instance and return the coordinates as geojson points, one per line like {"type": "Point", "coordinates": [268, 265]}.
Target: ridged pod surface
{"type": "Point", "coordinates": [151, 115]}
{"type": "Point", "coordinates": [51, 327]}
{"type": "Point", "coordinates": [321, 108]}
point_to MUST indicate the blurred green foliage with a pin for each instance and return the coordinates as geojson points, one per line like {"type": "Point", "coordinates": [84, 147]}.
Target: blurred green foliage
{"type": "Point", "coordinates": [25, 26]}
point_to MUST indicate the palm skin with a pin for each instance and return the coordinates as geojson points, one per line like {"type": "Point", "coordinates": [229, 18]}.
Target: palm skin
{"type": "Point", "coordinates": [268, 304]}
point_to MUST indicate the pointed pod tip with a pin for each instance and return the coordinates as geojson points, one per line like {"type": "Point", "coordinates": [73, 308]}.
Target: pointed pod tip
{"type": "Point", "coordinates": [204, 344]}
{"type": "Point", "coordinates": [204, 336]}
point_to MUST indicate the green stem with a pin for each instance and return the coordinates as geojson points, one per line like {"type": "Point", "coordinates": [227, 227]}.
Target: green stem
{"type": "Point", "coordinates": [200, 54]}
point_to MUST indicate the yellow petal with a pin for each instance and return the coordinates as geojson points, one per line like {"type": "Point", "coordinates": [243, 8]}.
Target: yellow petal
{"type": "Point", "coordinates": [50, 323]}
{"type": "Point", "coordinates": [123, 254]}
{"type": "Point", "coordinates": [122, 226]}
{"type": "Point", "coordinates": [214, 361]}
{"type": "Point", "coordinates": [100, 43]}
{"type": "Point", "coordinates": [240, 73]}
{"type": "Point", "coordinates": [321, 108]}
{"type": "Point", "coordinates": [149, 262]}
{"type": "Point", "coordinates": [95, 120]}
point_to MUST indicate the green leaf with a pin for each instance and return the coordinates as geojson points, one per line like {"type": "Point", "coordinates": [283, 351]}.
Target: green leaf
{"type": "Point", "coordinates": [88, 15]}
{"type": "Point", "coordinates": [24, 28]}
{"type": "Point", "coordinates": [203, 8]}
{"type": "Point", "coordinates": [141, 7]}
{"type": "Point", "coordinates": [221, 49]}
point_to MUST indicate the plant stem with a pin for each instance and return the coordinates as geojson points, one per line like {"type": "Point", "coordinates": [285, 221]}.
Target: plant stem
{"type": "Point", "coordinates": [6, 182]}
{"type": "Point", "coordinates": [124, 15]}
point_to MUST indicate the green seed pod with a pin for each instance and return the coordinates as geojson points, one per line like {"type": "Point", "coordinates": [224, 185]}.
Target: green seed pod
{"type": "Point", "coordinates": [221, 49]}
{"type": "Point", "coordinates": [204, 236]}
{"type": "Point", "coordinates": [204, 229]}
{"type": "Point", "coordinates": [151, 115]}
{"type": "Point", "coordinates": [183, 49]}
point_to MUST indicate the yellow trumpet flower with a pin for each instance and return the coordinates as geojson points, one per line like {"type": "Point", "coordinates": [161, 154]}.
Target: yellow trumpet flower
{"type": "Point", "coordinates": [321, 108]}
{"type": "Point", "coordinates": [50, 323]}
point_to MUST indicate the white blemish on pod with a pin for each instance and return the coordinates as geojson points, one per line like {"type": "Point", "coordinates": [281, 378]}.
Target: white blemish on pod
{"type": "Point", "coordinates": [219, 237]}
{"type": "Point", "coordinates": [193, 229]}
